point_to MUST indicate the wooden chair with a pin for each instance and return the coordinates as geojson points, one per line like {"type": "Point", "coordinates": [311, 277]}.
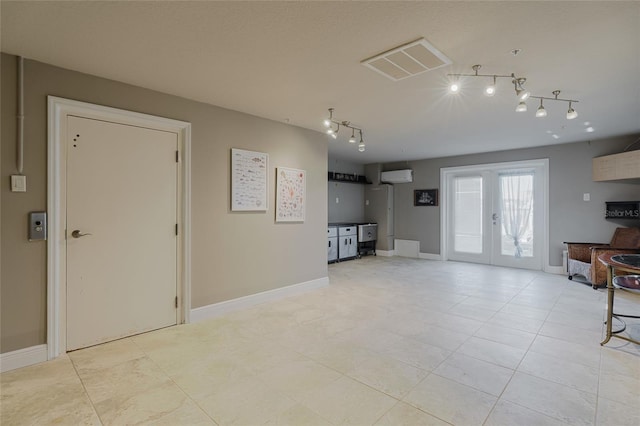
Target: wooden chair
{"type": "Point", "coordinates": [583, 257]}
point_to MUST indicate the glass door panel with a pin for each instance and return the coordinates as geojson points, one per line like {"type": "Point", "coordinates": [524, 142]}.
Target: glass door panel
{"type": "Point", "coordinates": [517, 220]}
{"type": "Point", "coordinates": [469, 237]}
{"type": "Point", "coordinates": [468, 232]}
{"type": "Point", "coordinates": [516, 210]}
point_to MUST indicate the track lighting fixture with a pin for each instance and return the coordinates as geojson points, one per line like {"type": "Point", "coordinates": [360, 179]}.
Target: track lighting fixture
{"type": "Point", "coordinates": [330, 121]}
{"type": "Point", "coordinates": [522, 94]}
{"type": "Point", "coordinates": [571, 113]}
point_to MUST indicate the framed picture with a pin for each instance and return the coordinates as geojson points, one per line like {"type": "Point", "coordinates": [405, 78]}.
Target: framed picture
{"type": "Point", "coordinates": [249, 179]}
{"type": "Point", "coordinates": [290, 195]}
{"type": "Point", "coordinates": [425, 197]}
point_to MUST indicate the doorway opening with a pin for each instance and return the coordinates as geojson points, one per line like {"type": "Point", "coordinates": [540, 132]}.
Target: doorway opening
{"type": "Point", "coordinates": [61, 113]}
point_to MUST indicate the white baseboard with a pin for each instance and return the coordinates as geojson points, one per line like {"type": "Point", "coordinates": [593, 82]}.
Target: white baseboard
{"type": "Point", "coordinates": [560, 270]}
{"type": "Point", "coordinates": [23, 358]}
{"type": "Point", "coordinates": [429, 256]}
{"type": "Point", "coordinates": [217, 309]}
{"type": "Point", "coordinates": [385, 253]}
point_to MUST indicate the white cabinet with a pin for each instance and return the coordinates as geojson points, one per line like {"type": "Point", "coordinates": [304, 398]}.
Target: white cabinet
{"type": "Point", "coordinates": [625, 165]}
{"type": "Point", "coordinates": [332, 244]}
{"type": "Point", "coordinates": [348, 242]}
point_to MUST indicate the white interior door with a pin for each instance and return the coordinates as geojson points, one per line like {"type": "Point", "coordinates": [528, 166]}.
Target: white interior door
{"type": "Point", "coordinates": [121, 238]}
{"type": "Point", "coordinates": [495, 215]}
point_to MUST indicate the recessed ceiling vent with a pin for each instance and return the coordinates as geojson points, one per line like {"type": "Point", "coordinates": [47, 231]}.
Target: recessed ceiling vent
{"type": "Point", "coordinates": [407, 60]}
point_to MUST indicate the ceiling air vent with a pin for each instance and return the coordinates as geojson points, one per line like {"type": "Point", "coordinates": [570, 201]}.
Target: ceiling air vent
{"type": "Point", "coordinates": [407, 60]}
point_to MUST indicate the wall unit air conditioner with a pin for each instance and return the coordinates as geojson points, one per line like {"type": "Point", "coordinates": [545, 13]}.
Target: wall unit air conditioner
{"type": "Point", "coordinates": [397, 176]}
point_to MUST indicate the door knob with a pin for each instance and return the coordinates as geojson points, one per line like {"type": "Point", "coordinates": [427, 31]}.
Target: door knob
{"type": "Point", "coordinates": [78, 234]}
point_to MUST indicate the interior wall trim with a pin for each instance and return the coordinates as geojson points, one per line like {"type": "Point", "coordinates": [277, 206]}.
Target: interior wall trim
{"type": "Point", "coordinates": [23, 358]}
{"type": "Point", "coordinates": [218, 309]}
{"type": "Point", "coordinates": [559, 270]}
{"type": "Point", "coordinates": [429, 256]}
{"type": "Point", "coordinates": [58, 110]}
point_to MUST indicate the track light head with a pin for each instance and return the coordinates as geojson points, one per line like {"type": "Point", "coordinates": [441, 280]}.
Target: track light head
{"type": "Point", "coordinates": [571, 113]}
{"type": "Point", "coordinates": [361, 147]}
{"type": "Point", "coordinates": [352, 139]}
{"type": "Point", "coordinates": [454, 87]}
{"type": "Point", "coordinates": [541, 112]}
{"type": "Point", "coordinates": [522, 107]}
{"type": "Point", "coordinates": [521, 93]}
{"type": "Point", "coordinates": [327, 121]}
{"type": "Point", "coordinates": [490, 90]}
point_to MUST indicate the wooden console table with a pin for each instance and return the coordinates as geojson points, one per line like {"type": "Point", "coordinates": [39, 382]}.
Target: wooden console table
{"type": "Point", "coordinates": [625, 263]}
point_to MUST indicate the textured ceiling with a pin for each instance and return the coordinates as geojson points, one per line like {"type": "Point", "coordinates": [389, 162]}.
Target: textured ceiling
{"type": "Point", "coordinates": [290, 61]}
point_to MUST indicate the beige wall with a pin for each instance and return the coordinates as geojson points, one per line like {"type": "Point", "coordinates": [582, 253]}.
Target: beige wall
{"type": "Point", "coordinates": [233, 254]}
{"type": "Point", "coordinates": [350, 207]}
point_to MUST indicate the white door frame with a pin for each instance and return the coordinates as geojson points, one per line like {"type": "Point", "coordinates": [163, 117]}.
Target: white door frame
{"type": "Point", "coordinates": [58, 110]}
{"type": "Point", "coordinates": [445, 172]}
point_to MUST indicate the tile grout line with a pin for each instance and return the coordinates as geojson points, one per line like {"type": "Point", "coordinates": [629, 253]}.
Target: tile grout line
{"type": "Point", "coordinates": [84, 388]}
{"type": "Point", "coordinates": [147, 355]}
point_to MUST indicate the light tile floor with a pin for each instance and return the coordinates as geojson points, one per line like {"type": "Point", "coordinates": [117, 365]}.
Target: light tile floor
{"type": "Point", "coordinates": [391, 341]}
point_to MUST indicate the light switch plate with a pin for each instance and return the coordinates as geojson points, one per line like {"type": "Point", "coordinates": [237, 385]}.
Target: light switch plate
{"type": "Point", "coordinates": [18, 183]}
{"type": "Point", "coordinates": [586, 196]}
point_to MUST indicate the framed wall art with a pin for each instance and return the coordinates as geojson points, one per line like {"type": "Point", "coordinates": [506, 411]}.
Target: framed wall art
{"type": "Point", "coordinates": [249, 178]}
{"type": "Point", "coordinates": [425, 197]}
{"type": "Point", "coordinates": [290, 195]}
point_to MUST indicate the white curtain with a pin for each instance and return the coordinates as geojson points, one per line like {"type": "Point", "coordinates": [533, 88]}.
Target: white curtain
{"type": "Point", "coordinates": [516, 197]}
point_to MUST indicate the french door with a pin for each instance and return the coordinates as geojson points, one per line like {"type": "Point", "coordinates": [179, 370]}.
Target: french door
{"type": "Point", "coordinates": [495, 214]}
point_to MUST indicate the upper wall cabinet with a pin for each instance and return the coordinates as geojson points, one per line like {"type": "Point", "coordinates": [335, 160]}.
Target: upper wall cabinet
{"type": "Point", "coordinates": [625, 165]}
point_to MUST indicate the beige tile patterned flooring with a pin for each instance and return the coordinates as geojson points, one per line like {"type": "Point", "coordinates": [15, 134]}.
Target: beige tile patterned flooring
{"type": "Point", "coordinates": [391, 341]}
